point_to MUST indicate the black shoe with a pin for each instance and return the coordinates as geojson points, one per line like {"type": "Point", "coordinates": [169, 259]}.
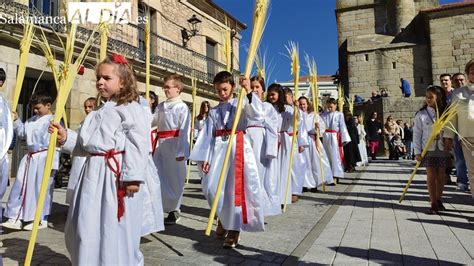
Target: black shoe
{"type": "Point", "coordinates": [441, 206]}
{"type": "Point", "coordinates": [173, 218]}
{"type": "Point", "coordinates": [314, 190]}
{"type": "Point", "coordinates": [305, 189]}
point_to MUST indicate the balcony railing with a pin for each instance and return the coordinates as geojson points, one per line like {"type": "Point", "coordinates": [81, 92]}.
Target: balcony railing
{"type": "Point", "coordinates": [126, 40]}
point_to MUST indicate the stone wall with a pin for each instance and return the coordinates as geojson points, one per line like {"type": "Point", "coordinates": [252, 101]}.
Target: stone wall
{"type": "Point", "coordinates": [382, 69]}
{"type": "Point", "coordinates": [452, 43]}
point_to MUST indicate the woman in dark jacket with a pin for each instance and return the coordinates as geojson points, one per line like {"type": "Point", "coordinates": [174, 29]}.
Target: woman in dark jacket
{"type": "Point", "coordinates": [373, 128]}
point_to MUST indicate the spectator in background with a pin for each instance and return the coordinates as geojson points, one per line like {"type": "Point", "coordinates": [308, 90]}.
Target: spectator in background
{"type": "Point", "coordinates": [358, 99]}
{"type": "Point", "coordinates": [408, 133]}
{"type": "Point", "coordinates": [390, 130]}
{"type": "Point", "coordinates": [373, 130]}
{"type": "Point", "coordinates": [458, 80]}
{"type": "Point", "coordinates": [375, 96]}
{"type": "Point", "coordinates": [446, 84]}
{"type": "Point", "coordinates": [406, 88]}
{"type": "Point", "coordinates": [383, 93]}
{"type": "Point", "coordinates": [400, 126]}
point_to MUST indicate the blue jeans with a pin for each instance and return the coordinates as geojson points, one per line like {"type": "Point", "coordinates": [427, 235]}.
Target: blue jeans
{"type": "Point", "coordinates": [460, 162]}
{"type": "Point", "coordinates": [409, 146]}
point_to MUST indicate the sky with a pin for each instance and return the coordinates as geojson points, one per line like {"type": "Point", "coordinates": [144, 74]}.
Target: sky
{"type": "Point", "coordinates": [310, 23]}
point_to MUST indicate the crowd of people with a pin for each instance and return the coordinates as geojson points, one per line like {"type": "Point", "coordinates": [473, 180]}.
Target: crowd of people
{"type": "Point", "coordinates": [123, 181]}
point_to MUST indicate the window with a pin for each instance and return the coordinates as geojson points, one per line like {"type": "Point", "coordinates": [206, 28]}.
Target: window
{"type": "Point", "coordinates": [394, 65]}
{"type": "Point", "coordinates": [211, 52]}
{"type": "Point", "coordinates": [142, 8]}
{"type": "Point", "coordinates": [45, 7]}
{"type": "Point", "coordinates": [366, 57]}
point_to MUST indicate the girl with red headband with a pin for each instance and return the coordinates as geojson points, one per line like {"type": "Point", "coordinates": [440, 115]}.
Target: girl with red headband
{"type": "Point", "coordinates": [106, 212]}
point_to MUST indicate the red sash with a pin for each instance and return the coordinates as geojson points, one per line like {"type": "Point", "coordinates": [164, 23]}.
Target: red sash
{"type": "Point", "coordinates": [155, 135]}
{"type": "Point", "coordinates": [110, 157]}
{"type": "Point", "coordinates": [239, 160]}
{"type": "Point", "coordinates": [339, 143]}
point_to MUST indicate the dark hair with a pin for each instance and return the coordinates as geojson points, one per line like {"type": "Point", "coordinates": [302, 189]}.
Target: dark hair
{"type": "Point", "coordinates": [331, 101]}
{"type": "Point", "coordinates": [202, 111]}
{"type": "Point", "coordinates": [40, 99]}
{"type": "Point", "coordinates": [224, 77]}
{"type": "Point", "coordinates": [468, 66]}
{"type": "Point", "coordinates": [280, 104]}
{"type": "Point", "coordinates": [91, 99]}
{"type": "Point", "coordinates": [3, 75]}
{"type": "Point", "coordinates": [310, 106]}
{"type": "Point", "coordinates": [445, 75]}
{"type": "Point", "coordinates": [441, 100]}
{"type": "Point", "coordinates": [457, 74]}
{"type": "Point", "coordinates": [287, 90]}
{"type": "Point", "coordinates": [260, 80]}
{"type": "Point", "coordinates": [372, 115]}
{"type": "Point", "coordinates": [124, 71]}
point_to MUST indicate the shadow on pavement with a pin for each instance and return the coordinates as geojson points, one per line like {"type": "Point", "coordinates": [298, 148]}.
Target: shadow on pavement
{"type": "Point", "coordinates": [211, 245]}
{"type": "Point", "coordinates": [42, 254]}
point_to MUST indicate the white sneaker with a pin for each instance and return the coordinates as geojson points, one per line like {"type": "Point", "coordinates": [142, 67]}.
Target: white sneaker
{"type": "Point", "coordinates": [43, 224]}
{"type": "Point", "coordinates": [12, 224]}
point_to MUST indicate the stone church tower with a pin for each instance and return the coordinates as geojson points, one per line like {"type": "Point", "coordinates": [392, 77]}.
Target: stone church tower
{"type": "Point", "coordinates": [375, 49]}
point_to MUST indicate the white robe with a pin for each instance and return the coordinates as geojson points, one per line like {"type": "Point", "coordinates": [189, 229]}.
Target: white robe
{"type": "Point", "coordinates": [362, 146]}
{"type": "Point", "coordinates": [23, 197]}
{"type": "Point", "coordinates": [262, 131]}
{"type": "Point", "coordinates": [313, 155]}
{"type": "Point", "coordinates": [298, 167]}
{"type": "Point", "coordinates": [335, 121]}
{"type": "Point", "coordinates": [172, 116]}
{"type": "Point", "coordinates": [94, 235]}
{"type": "Point", "coordinates": [76, 168]}
{"type": "Point", "coordinates": [6, 136]}
{"type": "Point", "coordinates": [212, 149]}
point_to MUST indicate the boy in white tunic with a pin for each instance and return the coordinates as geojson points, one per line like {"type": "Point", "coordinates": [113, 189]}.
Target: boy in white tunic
{"type": "Point", "coordinates": [23, 197]}
{"type": "Point", "coordinates": [240, 204]}
{"type": "Point", "coordinates": [335, 137]}
{"type": "Point", "coordinates": [105, 217]}
{"type": "Point", "coordinates": [172, 122]}
{"type": "Point", "coordinates": [6, 136]}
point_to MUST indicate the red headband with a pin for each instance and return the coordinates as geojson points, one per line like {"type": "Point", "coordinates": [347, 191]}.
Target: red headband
{"type": "Point", "coordinates": [119, 59]}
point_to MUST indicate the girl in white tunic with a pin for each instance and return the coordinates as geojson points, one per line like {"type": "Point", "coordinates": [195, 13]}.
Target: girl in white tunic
{"type": "Point", "coordinates": [78, 161]}
{"type": "Point", "coordinates": [315, 148]}
{"type": "Point", "coordinates": [240, 205]}
{"type": "Point", "coordinates": [6, 136]}
{"type": "Point", "coordinates": [104, 218]}
{"type": "Point", "coordinates": [362, 144]}
{"type": "Point", "coordinates": [335, 137]}
{"type": "Point", "coordinates": [23, 197]}
{"type": "Point", "coordinates": [299, 168]}
{"type": "Point", "coordinates": [199, 123]}
{"type": "Point", "coordinates": [262, 130]}
{"type": "Point", "coordinates": [172, 122]}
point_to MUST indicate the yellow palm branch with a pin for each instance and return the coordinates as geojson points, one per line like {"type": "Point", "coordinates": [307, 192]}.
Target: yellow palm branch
{"type": "Point", "coordinates": [25, 45]}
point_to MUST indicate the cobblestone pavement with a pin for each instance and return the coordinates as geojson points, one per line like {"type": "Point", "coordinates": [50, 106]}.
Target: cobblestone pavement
{"type": "Point", "coordinates": [357, 222]}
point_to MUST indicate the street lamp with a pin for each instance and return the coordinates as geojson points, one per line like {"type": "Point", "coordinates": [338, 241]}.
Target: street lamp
{"type": "Point", "coordinates": [193, 25]}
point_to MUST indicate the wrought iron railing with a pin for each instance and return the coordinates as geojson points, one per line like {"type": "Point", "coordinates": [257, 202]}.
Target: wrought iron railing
{"type": "Point", "coordinates": [126, 39]}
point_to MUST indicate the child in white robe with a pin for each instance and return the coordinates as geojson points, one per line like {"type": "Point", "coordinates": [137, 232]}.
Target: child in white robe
{"type": "Point", "coordinates": [104, 218]}
{"type": "Point", "coordinates": [23, 198]}
{"type": "Point", "coordinates": [6, 136]}
{"type": "Point", "coordinates": [335, 137]}
{"type": "Point", "coordinates": [262, 130]}
{"type": "Point", "coordinates": [240, 203]}
{"type": "Point", "coordinates": [78, 161]}
{"type": "Point", "coordinates": [315, 148]}
{"type": "Point", "coordinates": [172, 122]}
{"type": "Point", "coordinates": [299, 167]}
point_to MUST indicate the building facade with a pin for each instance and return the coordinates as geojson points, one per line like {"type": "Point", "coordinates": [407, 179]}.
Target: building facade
{"type": "Point", "coordinates": [327, 88]}
{"type": "Point", "coordinates": [175, 49]}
